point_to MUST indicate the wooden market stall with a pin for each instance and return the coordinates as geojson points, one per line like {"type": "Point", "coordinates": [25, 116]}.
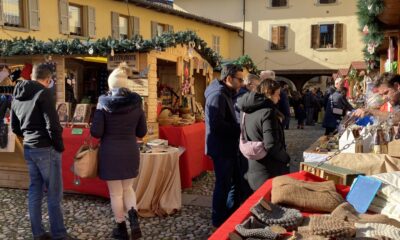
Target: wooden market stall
{"type": "Point", "coordinates": [153, 69]}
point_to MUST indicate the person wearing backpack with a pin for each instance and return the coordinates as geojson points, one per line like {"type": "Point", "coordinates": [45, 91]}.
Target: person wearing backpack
{"type": "Point", "coordinates": [262, 122]}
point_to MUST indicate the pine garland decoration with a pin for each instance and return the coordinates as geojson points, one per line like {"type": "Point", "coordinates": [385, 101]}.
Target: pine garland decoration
{"type": "Point", "coordinates": [368, 11]}
{"type": "Point", "coordinates": [104, 46]}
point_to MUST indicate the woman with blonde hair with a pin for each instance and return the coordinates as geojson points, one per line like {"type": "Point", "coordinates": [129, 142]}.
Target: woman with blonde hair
{"type": "Point", "coordinates": [118, 120]}
{"type": "Point", "coordinates": [263, 122]}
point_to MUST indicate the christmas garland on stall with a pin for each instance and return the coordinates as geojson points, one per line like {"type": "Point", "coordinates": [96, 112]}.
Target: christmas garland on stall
{"type": "Point", "coordinates": [107, 46]}
{"type": "Point", "coordinates": [368, 11]}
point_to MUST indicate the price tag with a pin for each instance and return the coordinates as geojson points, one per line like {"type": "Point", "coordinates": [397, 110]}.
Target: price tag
{"type": "Point", "coordinates": [77, 131]}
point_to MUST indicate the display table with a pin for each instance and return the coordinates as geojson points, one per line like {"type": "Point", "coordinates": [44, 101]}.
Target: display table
{"type": "Point", "coordinates": [367, 163]}
{"type": "Point", "coordinates": [157, 186]}
{"type": "Point", "coordinates": [243, 212]}
{"type": "Point", "coordinates": [193, 161]}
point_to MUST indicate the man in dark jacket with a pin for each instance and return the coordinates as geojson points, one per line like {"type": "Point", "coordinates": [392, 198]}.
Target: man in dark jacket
{"type": "Point", "coordinates": [222, 140]}
{"type": "Point", "coordinates": [34, 117]}
{"type": "Point", "coordinates": [309, 104]}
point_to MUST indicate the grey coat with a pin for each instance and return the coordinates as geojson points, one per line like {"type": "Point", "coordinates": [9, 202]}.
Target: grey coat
{"type": "Point", "coordinates": [118, 120]}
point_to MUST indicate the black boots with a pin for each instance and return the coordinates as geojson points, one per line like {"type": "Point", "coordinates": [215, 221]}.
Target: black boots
{"type": "Point", "coordinates": [136, 233]}
{"type": "Point", "coordinates": [120, 232]}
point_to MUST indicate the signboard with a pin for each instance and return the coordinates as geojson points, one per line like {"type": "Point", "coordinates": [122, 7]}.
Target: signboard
{"type": "Point", "coordinates": [132, 59]}
{"type": "Point", "coordinates": [139, 85]}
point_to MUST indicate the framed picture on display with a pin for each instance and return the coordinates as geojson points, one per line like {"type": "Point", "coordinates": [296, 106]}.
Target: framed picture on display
{"type": "Point", "coordinates": [82, 113]}
{"type": "Point", "coordinates": [63, 111]}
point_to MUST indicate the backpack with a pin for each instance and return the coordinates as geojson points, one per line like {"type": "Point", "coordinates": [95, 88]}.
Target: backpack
{"type": "Point", "coordinates": [252, 150]}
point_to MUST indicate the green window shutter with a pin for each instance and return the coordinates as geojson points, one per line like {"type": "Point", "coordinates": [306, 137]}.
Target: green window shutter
{"type": "Point", "coordinates": [153, 29]}
{"type": "Point", "coordinates": [64, 16]}
{"type": "Point", "coordinates": [34, 18]}
{"type": "Point", "coordinates": [91, 22]}
{"type": "Point", "coordinates": [115, 25]}
{"type": "Point", "coordinates": [338, 35]}
{"type": "Point", "coordinates": [315, 36]}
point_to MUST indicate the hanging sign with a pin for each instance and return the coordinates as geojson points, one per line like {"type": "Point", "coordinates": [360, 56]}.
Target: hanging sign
{"type": "Point", "coordinates": [132, 59]}
{"type": "Point", "coordinates": [139, 85]}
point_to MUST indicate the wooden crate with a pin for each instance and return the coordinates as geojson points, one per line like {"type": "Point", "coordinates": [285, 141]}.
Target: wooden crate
{"type": "Point", "coordinates": [326, 171]}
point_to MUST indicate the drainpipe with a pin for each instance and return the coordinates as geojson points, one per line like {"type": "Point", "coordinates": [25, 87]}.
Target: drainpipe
{"type": "Point", "coordinates": [244, 27]}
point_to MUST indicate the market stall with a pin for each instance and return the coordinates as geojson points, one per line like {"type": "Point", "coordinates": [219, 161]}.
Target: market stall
{"type": "Point", "coordinates": [303, 206]}
{"type": "Point", "coordinates": [167, 73]}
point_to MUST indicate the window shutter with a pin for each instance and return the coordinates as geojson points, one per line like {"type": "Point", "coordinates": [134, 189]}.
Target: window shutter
{"type": "Point", "coordinates": [170, 28]}
{"type": "Point", "coordinates": [1, 13]}
{"type": "Point", "coordinates": [34, 15]}
{"type": "Point", "coordinates": [282, 37]}
{"type": "Point", "coordinates": [64, 16]}
{"type": "Point", "coordinates": [274, 37]}
{"type": "Point", "coordinates": [153, 29]}
{"type": "Point", "coordinates": [135, 23]}
{"type": "Point", "coordinates": [91, 22]}
{"type": "Point", "coordinates": [315, 36]}
{"type": "Point", "coordinates": [338, 35]}
{"type": "Point", "coordinates": [114, 25]}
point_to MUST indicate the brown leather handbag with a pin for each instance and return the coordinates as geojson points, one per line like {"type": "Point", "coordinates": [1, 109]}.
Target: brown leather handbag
{"type": "Point", "coordinates": [86, 160]}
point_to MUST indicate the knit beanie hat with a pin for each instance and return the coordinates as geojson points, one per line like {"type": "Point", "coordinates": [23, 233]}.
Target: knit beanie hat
{"type": "Point", "coordinates": [347, 212]}
{"type": "Point", "coordinates": [271, 214]}
{"type": "Point", "coordinates": [328, 226]}
{"type": "Point", "coordinates": [377, 230]}
{"type": "Point", "coordinates": [308, 196]}
{"type": "Point", "coordinates": [119, 76]}
{"type": "Point", "coordinates": [252, 228]}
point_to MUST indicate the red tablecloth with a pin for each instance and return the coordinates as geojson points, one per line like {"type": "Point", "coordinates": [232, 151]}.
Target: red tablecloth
{"type": "Point", "coordinates": [192, 138]}
{"type": "Point", "coordinates": [89, 186]}
{"type": "Point", "coordinates": [264, 191]}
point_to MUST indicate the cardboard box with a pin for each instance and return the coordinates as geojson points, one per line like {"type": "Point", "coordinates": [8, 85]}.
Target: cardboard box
{"type": "Point", "coordinates": [394, 148]}
{"type": "Point", "coordinates": [347, 138]}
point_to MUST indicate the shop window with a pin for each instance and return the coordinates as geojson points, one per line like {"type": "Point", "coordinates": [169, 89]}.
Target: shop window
{"type": "Point", "coordinates": [278, 3]}
{"type": "Point", "coordinates": [157, 29]}
{"type": "Point", "coordinates": [326, 1]}
{"type": "Point", "coordinates": [278, 38]}
{"type": "Point", "coordinates": [75, 20]}
{"type": "Point", "coordinates": [124, 27]}
{"type": "Point", "coordinates": [216, 44]}
{"type": "Point", "coordinates": [327, 36]}
{"type": "Point", "coordinates": [13, 13]}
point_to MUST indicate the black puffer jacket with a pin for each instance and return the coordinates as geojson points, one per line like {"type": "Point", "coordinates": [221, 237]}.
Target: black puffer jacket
{"type": "Point", "coordinates": [118, 120]}
{"type": "Point", "coordinates": [262, 124]}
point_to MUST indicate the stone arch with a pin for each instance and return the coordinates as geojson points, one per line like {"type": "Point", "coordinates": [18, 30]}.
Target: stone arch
{"type": "Point", "coordinates": [291, 84]}
{"type": "Point", "coordinates": [322, 82]}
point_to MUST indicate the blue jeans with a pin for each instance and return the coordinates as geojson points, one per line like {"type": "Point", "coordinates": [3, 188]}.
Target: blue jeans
{"type": "Point", "coordinates": [45, 173]}
{"type": "Point", "coordinates": [225, 197]}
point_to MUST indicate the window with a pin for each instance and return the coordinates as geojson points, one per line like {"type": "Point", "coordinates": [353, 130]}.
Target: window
{"type": "Point", "coordinates": [123, 27]}
{"type": "Point", "coordinates": [75, 20]}
{"type": "Point", "coordinates": [278, 3]}
{"type": "Point", "coordinates": [157, 29]}
{"type": "Point", "coordinates": [327, 36]}
{"type": "Point", "coordinates": [278, 38]}
{"type": "Point", "coordinates": [215, 44]}
{"type": "Point", "coordinates": [13, 13]}
{"type": "Point", "coordinates": [19, 14]}
{"type": "Point", "coordinates": [326, 1]}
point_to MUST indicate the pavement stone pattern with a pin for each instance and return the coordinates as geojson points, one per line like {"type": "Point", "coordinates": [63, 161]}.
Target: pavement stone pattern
{"type": "Point", "coordinates": [90, 218]}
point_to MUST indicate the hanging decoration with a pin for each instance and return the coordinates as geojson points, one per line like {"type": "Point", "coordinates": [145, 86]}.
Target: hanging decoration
{"type": "Point", "coordinates": [365, 30]}
{"type": "Point", "coordinates": [104, 46]}
{"type": "Point", "coordinates": [368, 11]}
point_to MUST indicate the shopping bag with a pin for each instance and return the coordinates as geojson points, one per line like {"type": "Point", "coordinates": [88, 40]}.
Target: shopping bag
{"type": "Point", "coordinates": [86, 160]}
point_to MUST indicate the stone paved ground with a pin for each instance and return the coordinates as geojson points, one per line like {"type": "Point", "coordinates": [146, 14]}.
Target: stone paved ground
{"type": "Point", "coordinates": [90, 217]}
